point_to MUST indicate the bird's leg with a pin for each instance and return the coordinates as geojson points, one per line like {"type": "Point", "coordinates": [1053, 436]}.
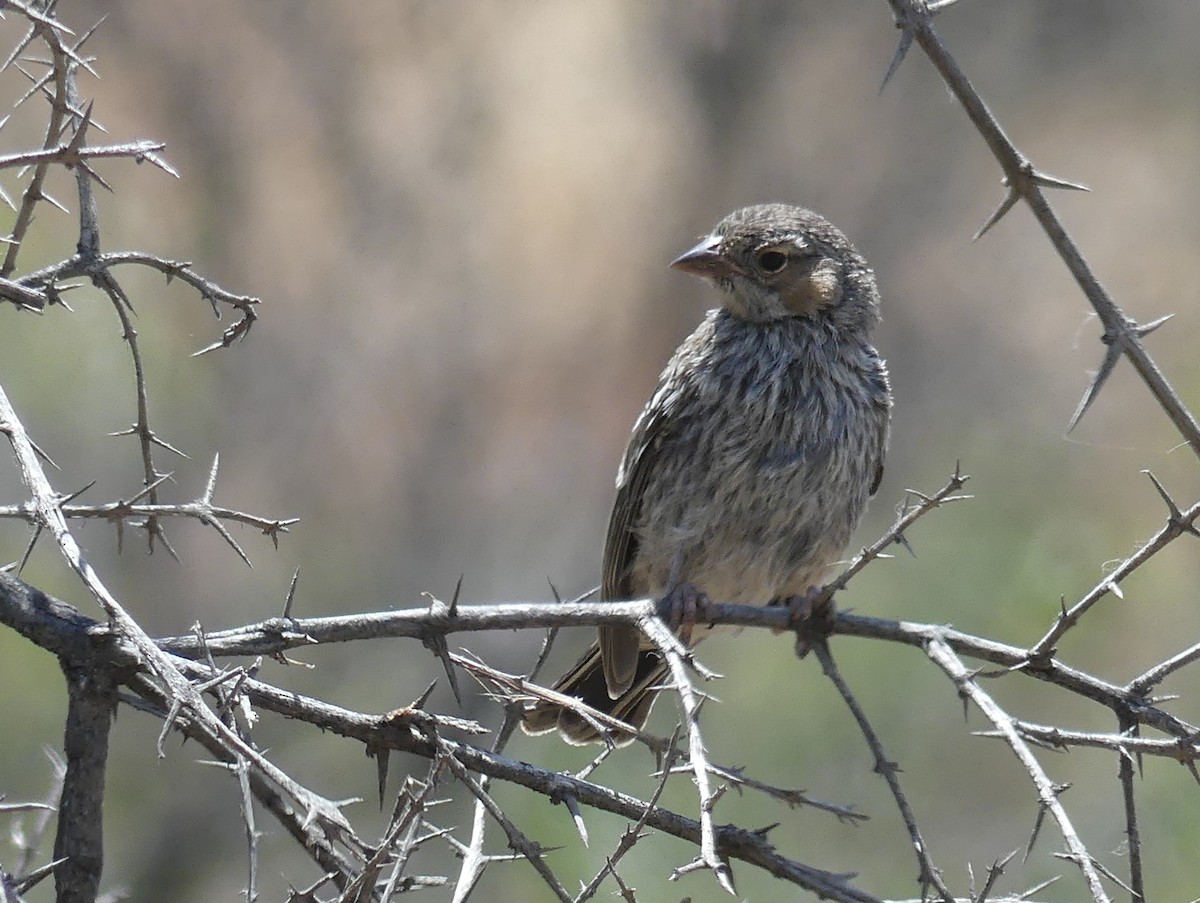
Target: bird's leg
{"type": "Point", "coordinates": [678, 608]}
{"type": "Point", "coordinates": [812, 620]}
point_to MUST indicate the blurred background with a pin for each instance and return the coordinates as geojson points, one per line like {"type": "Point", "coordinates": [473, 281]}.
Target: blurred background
{"type": "Point", "coordinates": [458, 218]}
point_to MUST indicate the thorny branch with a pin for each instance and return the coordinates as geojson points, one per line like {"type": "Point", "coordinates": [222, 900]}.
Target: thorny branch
{"type": "Point", "coordinates": [57, 627]}
{"type": "Point", "coordinates": [945, 659]}
{"type": "Point", "coordinates": [1122, 337]}
{"type": "Point", "coordinates": [671, 650]}
{"type": "Point", "coordinates": [132, 511]}
{"type": "Point", "coordinates": [1024, 182]}
{"type": "Point", "coordinates": [1178, 524]}
{"type": "Point", "coordinates": [418, 623]}
{"type": "Point", "coordinates": [66, 145]}
{"type": "Point", "coordinates": [79, 853]}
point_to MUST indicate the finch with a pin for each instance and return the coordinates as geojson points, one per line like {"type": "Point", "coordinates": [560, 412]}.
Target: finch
{"type": "Point", "coordinates": [753, 461]}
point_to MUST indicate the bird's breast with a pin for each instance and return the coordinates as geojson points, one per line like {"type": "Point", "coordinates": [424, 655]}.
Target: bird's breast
{"type": "Point", "coordinates": [756, 489]}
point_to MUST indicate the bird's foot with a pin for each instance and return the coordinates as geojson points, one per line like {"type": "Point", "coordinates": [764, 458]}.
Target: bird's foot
{"type": "Point", "coordinates": [811, 619]}
{"type": "Point", "coordinates": [679, 608]}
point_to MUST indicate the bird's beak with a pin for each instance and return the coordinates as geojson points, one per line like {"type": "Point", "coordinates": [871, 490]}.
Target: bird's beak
{"type": "Point", "coordinates": [706, 260]}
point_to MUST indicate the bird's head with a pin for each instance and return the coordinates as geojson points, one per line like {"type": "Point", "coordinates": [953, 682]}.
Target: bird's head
{"type": "Point", "coordinates": [773, 261]}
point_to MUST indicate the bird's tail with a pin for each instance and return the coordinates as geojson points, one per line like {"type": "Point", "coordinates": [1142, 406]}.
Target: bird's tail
{"type": "Point", "coordinates": [585, 682]}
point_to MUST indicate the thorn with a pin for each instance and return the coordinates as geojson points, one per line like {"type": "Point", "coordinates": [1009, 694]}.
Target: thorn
{"type": "Point", "coordinates": [572, 805]}
{"type": "Point", "coordinates": [1112, 354]}
{"type": "Point", "coordinates": [37, 533]}
{"type": "Point", "coordinates": [1006, 205]}
{"type": "Point", "coordinates": [211, 486]}
{"type": "Point", "coordinates": [163, 443]}
{"type": "Point", "coordinates": [1164, 495]}
{"type": "Point", "coordinates": [419, 702]}
{"type": "Point", "coordinates": [146, 490]}
{"type": "Point", "coordinates": [1037, 889]}
{"type": "Point", "coordinates": [33, 878]}
{"type": "Point", "coordinates": [80, 135]}
{"type": "Point", "coordinates": [454, 601]}
{"type": "Point", "coordinates": [95, 176]}
{"type": "Point", "coordinates": [53, 202]}
{"type": "Point", "coordinates": [1191, 767]}
{"type": "Point", "coordinates": [1037, 829]}
{"type": "Point", "coordinates": [1144, 329]}
{"type": "Point", "coordinates": [76, 494]}
{"type": "Point", "coordinates": [161, 162]}
{"type": "Point", "coordinates": [291, 595]}
{"type": "Point", "coordinates": [761, 833]}
{"type": "Point", "coordinates": [1174, 515]}
{"type": "Point", "coordinates": [382, 756]}
{"type": "Point", "coordinates": [162, 537]}
{"type": "Point", "coordinates": [1048, 181]}
{"type": "Point", "coordinates": [906, 39]}
{"type": "Point", "coordinates": [168, 724]}
{"type": "Point", "coordinates": [16, 52]}
{"type": "Point", "coordinates": [209, 521]}
{"type": "Point", "coordinates": [1003, 863]}
{"type": "Point", "coordinates": [908, 32]}
{"type": "Point", "coordinates": [725, 877]}
{"type": "Point", "coordinates": [438, 648]}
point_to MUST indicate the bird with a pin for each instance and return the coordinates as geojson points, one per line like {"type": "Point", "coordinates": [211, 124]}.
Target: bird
{"type": "Point", "coordinates": [753, 460]}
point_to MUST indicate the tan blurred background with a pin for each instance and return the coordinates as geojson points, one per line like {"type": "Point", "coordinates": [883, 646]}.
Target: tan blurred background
{"type": "Point", "coordinates": [458, 216]}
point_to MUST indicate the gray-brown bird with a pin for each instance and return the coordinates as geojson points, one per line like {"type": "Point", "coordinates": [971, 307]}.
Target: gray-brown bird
{"type": "Point", "coordinates": [755, 457]}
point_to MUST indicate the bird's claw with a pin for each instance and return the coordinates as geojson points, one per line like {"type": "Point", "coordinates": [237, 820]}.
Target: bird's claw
{"type": "Point", "coordinates": [679, 609]}
{"type": "Point", "coordinates": [811, 619]}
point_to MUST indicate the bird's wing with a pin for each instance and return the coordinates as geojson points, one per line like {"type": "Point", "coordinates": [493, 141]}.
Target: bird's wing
{"type": "Point", "coordinates": [883, 400]}
{"type": "Point", "coordinates": [878, 477]}
{"type": "Point", "coordinates": [619, 646]}
{"type": "Point", "coordinates": [620, 546]}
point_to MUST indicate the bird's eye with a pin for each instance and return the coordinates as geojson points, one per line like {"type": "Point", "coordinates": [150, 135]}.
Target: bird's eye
{"type": "Point", "coordinates": [772, 261]}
